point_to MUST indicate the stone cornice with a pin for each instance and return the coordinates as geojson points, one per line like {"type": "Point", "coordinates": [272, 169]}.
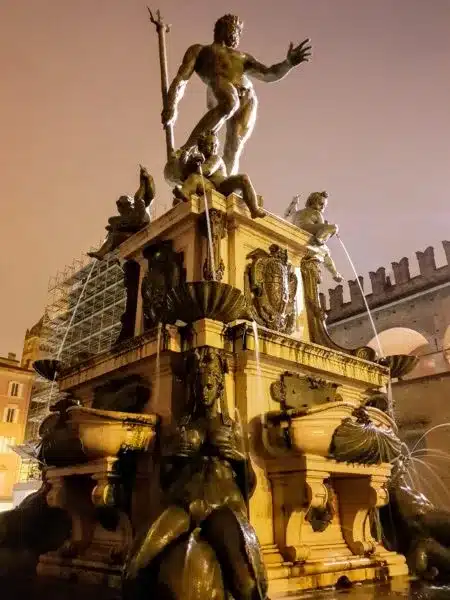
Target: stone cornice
{"type": "Point", "coordinates": [277, 351]}
{"type": "Point", "coordinates": [181, 216]}
{"type": "Point", "coordinates": [312, 356]}
{"type": "Point", "coordinates": [130, 351]}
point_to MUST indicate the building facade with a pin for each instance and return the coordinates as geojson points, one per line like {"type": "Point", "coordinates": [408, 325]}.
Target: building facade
{"type": "Point", "coordinates": [411, 316]}
{"type": "Point", "coordinates": [16, 383]}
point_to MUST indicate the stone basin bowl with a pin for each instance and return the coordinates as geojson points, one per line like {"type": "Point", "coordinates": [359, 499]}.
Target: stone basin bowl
{"type": "Point", "coordinates": [207, 300]}
{"type": "Point", "coordinates": [104, 432]}
{"type": "Point", "coordinates": [48, 368]}
{"type": "Point", "coordinates": [399, 364]}
{"type": "Point", "coordinates": [312, 432]}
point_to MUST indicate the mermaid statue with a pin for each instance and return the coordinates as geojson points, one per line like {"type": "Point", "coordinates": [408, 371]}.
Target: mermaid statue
{"type": "Point", "coordinates": [202, 545]}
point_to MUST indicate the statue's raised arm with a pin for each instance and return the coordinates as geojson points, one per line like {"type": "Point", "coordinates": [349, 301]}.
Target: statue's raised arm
{"type": "Point", "coordinates": [295, 56]}
{"type": "Point", "coordinates": [178, 86]}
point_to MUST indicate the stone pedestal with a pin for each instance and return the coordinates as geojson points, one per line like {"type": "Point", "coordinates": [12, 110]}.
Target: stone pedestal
{"type": "Point", "coordinates": [101, 535]}
{"type": "Point", "coordinates": [302, 547]}
{"type": "Point", "coordinates": [321, 523]}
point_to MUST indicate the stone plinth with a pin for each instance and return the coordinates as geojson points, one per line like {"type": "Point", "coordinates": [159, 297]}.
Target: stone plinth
{"type": "Point", "coordinates": [321, 523]}
{"type": "Point", "coordinates": [262, 260]}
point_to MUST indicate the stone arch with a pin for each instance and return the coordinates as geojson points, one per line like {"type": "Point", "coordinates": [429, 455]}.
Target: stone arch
{"type": "Point", "coordinates": [401, 340]}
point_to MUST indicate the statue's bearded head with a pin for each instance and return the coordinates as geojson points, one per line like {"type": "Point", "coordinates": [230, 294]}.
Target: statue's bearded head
{"type": "Point", "coordinates": [228, 30]}
{"type": "Point", "coordinates": [318, 201]}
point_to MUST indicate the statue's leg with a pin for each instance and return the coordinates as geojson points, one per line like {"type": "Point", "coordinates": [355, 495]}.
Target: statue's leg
{"type": "Point", "coordinates": [169, 526]}
{"type": "Point", "coordinates": [189, 570]}
{"type": "Point", "coordinates": [107, 246]}
{"type": "Point", "coordinates": [324, 233]}
{"type": "Point", "coordinates": [239, 129]}
{"type": "Point", "coordinates": [242, 182]}
{"type": "Point", "coordinates": [227, 105]}
{"type": "Point", "coordinates": [222, 531]}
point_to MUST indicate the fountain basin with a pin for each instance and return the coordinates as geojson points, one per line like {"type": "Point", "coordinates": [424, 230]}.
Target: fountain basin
{"type": "Point", "coordinates": [207, 300]}
{"type": "Point", "coordinates": [313, 431]}
{"type": "Point", "coordinates": [48, 368]}
{"type": "Point", "coordinates": [399, 364]}
{"type": "Point", "coordinates": [105, 433]}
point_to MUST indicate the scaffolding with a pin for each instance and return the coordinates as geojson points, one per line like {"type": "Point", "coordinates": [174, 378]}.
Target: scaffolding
{"type": "Point", "coordinates": [82, 317]}
{"type": "Point", "coordinates": [86, 302]}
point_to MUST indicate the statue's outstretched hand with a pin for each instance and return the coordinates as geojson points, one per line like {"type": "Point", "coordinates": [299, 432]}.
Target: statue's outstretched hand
{"type": "Point", "coordinates": [300, 53]}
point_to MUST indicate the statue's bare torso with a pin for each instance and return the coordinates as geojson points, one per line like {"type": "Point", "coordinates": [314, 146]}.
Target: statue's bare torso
{"type": "Point", "coordinates": [217, 65]}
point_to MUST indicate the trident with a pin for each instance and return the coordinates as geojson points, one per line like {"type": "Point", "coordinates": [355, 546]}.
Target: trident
{"type": "Point", "coordinates": [162, 28]}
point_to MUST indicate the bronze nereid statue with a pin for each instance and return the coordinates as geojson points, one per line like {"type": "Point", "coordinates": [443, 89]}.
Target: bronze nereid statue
{"type": "Point", "coordinates": [202, 544]}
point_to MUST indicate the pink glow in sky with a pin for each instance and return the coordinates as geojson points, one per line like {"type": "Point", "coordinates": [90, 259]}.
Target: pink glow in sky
{"type": "Point", "coordinates": [368, 120]}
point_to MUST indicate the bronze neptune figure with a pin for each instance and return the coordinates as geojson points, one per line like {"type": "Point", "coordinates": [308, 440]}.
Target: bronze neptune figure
{"type": "Point", "coordinates": [202, 545]}
{"type": "Point", "coordinates": [231, 97]}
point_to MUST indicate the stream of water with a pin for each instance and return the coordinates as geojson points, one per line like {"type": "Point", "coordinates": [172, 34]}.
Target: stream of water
{"type": "Point", "coordinates": [158, 362]}
{"type": "Point", "coordinates": [377, 338]}
{"type": "Point", "coordinates": [208, 226]}
{"type": "Point", "coordinates": [66, 333]}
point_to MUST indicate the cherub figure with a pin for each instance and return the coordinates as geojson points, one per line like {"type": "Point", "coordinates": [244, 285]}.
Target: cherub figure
{"type": "Point", "coordinates": [311, 219]}
{"type": "Point", "coordinates": [208, 161]}
{"type": "Point", "coordinates": [133, 215]}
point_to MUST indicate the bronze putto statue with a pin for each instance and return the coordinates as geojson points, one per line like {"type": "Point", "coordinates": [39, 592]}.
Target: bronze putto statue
{"type": "Point", "coordinates": [208, 172]}
{"type": "Point", "coordinates": [133, 215]}
{"type": "Point", "coordinates": [311, 219]}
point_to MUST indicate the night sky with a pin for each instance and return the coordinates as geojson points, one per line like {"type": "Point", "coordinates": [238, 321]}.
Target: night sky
{"type": "Point", "coordinates": [367, 119]}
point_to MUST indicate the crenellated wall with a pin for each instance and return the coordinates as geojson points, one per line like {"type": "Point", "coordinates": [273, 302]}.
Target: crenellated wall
{"type": "Point", "coordinates": [401, 309]}
{"type": "Point", "coordinates": [384, 290]}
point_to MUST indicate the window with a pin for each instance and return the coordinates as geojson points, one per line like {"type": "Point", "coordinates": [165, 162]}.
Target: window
{"type": "Point", "coordinates": [10, 415]}
{"type": "Point", "coordinates": [15, 389]}
{"type": "Point", "coordinates": [5, 443]}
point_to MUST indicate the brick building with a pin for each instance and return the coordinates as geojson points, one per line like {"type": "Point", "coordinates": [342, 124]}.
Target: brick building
{"type": "Point", "coordinates": [411, 316]}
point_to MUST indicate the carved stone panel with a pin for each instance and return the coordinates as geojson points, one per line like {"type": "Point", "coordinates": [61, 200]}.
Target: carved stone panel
{"type": "Point", "coordinates": [165, 271]}
{"type": "Point", "coordinates": [316, 315]}
{"type": "Point", "coordinates": [270, 289]}
{"type": "Point", "coordinates": [129, 393]}
{"type": "Point", "coordinates": [301, 393]}
{"type": "Point", "coordinates": [218, 224]}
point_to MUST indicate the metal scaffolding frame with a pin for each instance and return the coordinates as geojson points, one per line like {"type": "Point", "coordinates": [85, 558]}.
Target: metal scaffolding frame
{"type": "Point", "coordinates": [85, 302]}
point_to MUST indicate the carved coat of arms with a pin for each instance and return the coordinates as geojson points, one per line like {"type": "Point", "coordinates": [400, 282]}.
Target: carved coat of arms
{"type": "Point", "coordinates": [270, 289]}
